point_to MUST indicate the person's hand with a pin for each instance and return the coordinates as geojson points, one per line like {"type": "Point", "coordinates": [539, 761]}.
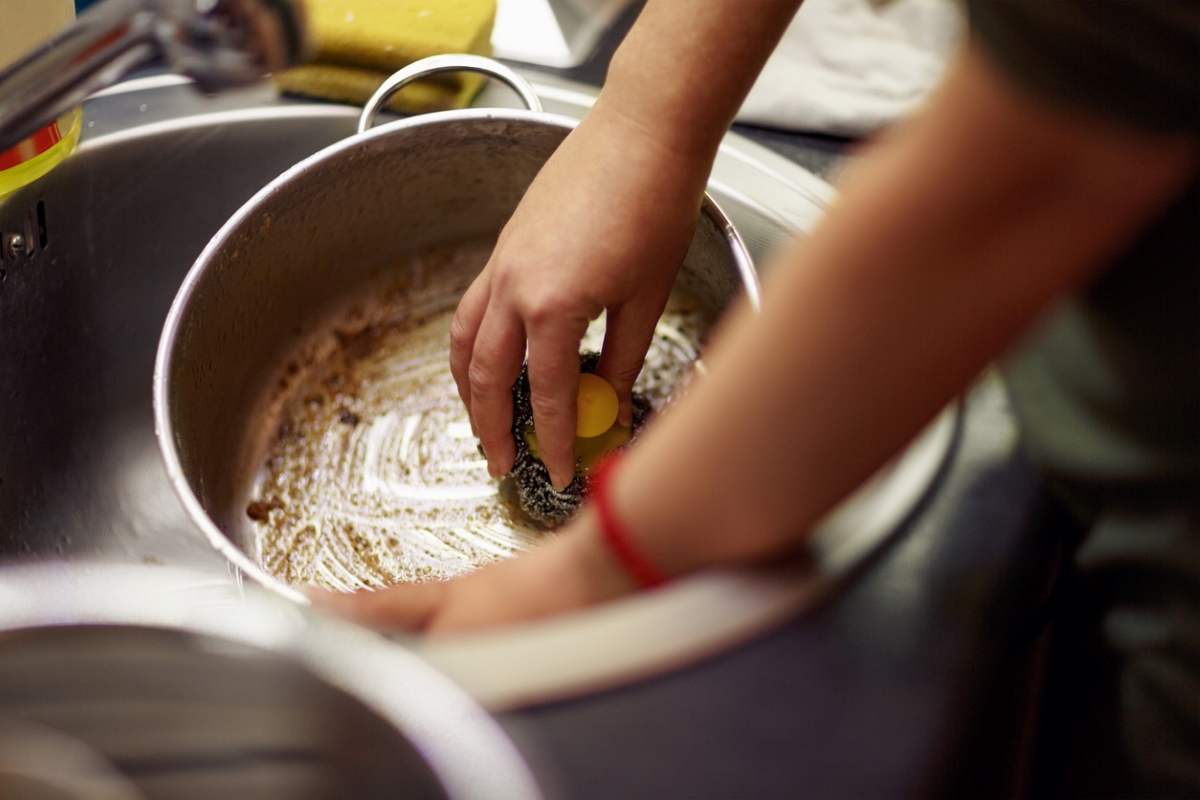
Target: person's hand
{"type": "Point", "coordinates": [571, 572]}
{"type": "Point", "coordinates": [603, 227]}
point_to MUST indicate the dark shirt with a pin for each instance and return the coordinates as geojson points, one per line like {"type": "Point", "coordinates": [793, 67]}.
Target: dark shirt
{"type": "Point", "coordinates": [1107, 389]}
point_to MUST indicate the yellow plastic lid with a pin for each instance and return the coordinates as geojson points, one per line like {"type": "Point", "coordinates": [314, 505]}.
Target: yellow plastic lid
{"type": "Point", "coordinates": [29, 170]}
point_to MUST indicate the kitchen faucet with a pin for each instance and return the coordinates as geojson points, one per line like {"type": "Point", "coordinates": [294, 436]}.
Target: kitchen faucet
{"type": "Point", "coordinates": [218, 43]}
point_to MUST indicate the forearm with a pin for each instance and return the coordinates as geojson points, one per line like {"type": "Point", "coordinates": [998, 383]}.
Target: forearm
{"type": "Point", "coordinates": [682, 72]}
{"type": "Point", "coordinates": [606, 223]}
{"type": "Point", "coordinates": [960, 231]}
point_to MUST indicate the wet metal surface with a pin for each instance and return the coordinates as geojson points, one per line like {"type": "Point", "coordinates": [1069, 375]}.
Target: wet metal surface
{"type": "Point", "coordinates": [80, 473]}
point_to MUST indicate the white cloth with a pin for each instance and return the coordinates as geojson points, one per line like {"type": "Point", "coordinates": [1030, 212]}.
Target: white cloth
{"type": "Point", "coordinates": [846, 67]}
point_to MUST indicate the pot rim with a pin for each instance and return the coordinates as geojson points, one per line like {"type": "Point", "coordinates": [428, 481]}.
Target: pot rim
{"type": "Point", "coordinates": [164, 358]}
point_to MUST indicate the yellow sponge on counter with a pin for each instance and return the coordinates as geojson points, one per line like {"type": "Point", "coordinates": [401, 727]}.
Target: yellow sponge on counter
{"type": "Point", "coordinates": [358, 43]}
{"type": "Point", "coordinates": [355, 86]}
{"type": "Point", "coordinates": [389, 34]}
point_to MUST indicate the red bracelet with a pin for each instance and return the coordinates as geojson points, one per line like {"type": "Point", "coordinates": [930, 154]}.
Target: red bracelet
{"type": "Point", "coordinates": [615, 535]}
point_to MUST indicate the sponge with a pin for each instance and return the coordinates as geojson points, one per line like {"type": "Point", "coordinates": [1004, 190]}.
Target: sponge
{"type": "Point", "coordinates": [358, 43]}
{"type": "Point", "coordinates": [535, 494]}
{"type": "Point", "coordinates": [355, 86]}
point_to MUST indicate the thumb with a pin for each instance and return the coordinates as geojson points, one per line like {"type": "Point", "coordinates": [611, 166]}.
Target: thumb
{"type": "Point", "coordinates": [407, 607]}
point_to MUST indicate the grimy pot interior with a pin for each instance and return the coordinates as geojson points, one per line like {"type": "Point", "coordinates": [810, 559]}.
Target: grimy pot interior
{"type": "Point", "coordinates": [366, 212]}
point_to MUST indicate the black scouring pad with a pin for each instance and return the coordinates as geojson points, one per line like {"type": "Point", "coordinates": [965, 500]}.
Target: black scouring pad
{"type": "Point", "coordinates": [537, 496]}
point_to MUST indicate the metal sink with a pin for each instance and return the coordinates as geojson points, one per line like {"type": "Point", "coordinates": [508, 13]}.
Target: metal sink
{"type": "Point", "coordinates": [108, 237]}
{"type": "Point", "coordinates": [124, 218]}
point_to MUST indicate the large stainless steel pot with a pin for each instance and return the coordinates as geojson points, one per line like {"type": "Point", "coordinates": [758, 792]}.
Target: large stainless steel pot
{"type": "Point", "coordinates": [122, 681]}
{"type": "Point", "coordinates": [367, 203]}
{"type": "Point", "coordinates": [327, 226]}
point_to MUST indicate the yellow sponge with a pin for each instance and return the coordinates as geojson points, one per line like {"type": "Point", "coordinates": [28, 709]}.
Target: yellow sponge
{"type": "Point", "coordinates": [355, 86]}
{"type": "Point", "coordinates": [359, 43]}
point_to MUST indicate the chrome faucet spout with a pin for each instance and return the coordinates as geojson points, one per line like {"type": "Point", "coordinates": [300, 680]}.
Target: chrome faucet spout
{"type": "Point", "coordinates": [219, 43]}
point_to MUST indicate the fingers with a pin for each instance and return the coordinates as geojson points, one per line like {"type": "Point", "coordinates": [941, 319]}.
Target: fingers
{"type": "Point", "coordinates": [572, 571]}
{"type": "Point", "coordinates": [408, 607]}
{"type": "Point", "coordinates": [464, 329]}
{"type": "Point", "coordinates": [553, 385]}
{"type": "Point", "coordinates": [495, 364]}
{"type": "Point", "coordinates": [627, 336]}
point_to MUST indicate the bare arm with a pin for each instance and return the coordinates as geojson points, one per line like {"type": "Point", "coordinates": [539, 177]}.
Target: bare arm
{"type": "Point", "coordinates": [955, 237]}
{"type": "Point", "coordinates": [607, 222]}
{"type": "Point", "coordinates": [959, 231]}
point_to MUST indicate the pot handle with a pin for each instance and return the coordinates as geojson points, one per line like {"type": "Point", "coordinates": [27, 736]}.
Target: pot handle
{"type": "Point", "coordinates": [447, 63]}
